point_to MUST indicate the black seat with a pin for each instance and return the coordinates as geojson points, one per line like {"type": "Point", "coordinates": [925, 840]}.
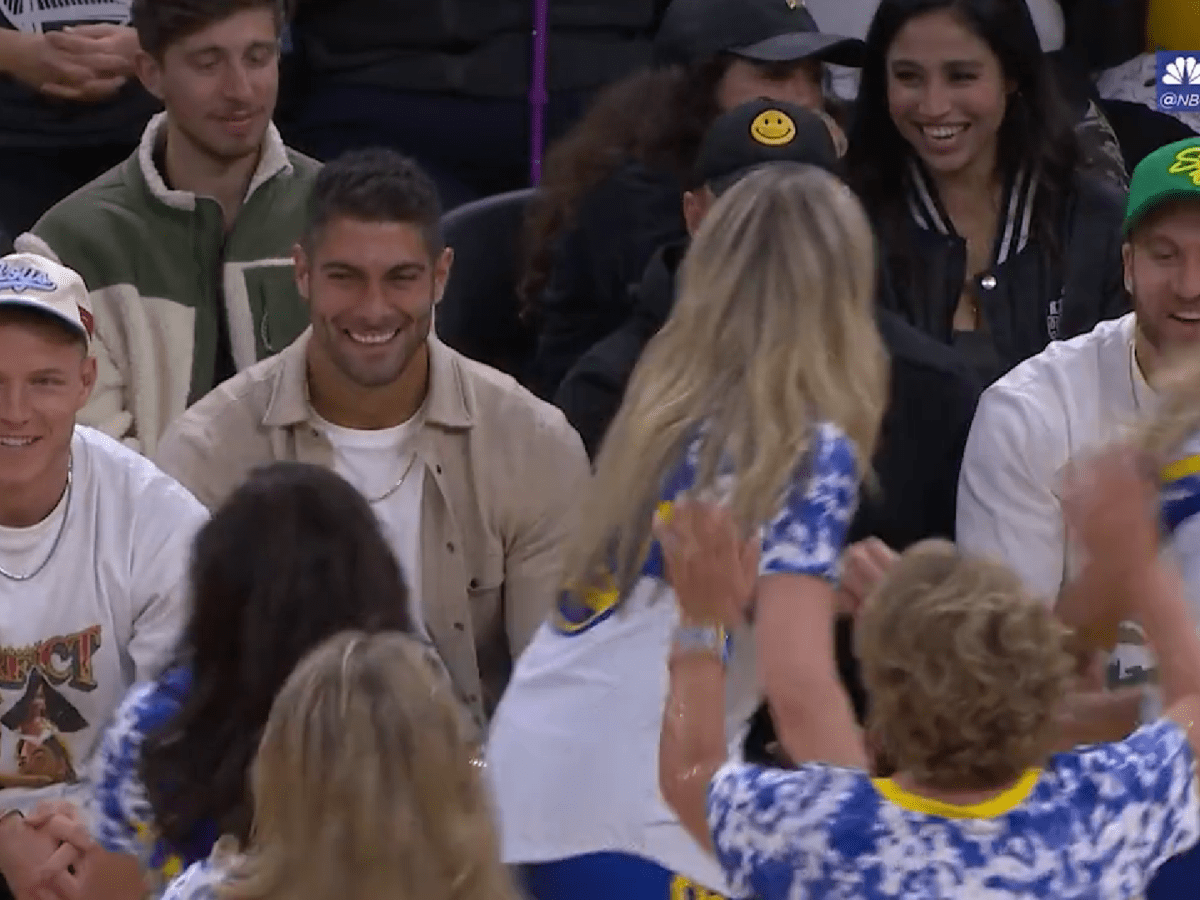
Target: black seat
{"type": "Point", "coordinates": [479, 313]}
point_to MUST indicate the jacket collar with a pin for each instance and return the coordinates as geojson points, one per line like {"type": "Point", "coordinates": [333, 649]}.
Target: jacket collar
{"type": "Point", "coordinates": [273, 161]}
{"type": "Point", "coordinates": [1016, 204]}
{"type": "Point", "coordinates": [449, 405]}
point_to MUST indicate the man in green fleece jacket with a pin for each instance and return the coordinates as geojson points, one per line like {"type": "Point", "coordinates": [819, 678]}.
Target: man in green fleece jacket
{"type": "Point", "coordinates": [186, 246]}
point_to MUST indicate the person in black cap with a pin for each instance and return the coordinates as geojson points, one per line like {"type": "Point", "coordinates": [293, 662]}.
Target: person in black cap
{"type": "Point", "coordinates": [754, 134]}
{"type": "Point", "coordinates": [933, 392]}
{"type": "Point", "coordinates": [610, 195]}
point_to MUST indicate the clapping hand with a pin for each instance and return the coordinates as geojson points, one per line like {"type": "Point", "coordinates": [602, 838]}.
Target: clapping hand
{"type": "Point", "coordinates": [82, 63]}
{"type": "Point", "coordinates": [864, 566]}
{"type": "Point", "coordinates": [711, 567]}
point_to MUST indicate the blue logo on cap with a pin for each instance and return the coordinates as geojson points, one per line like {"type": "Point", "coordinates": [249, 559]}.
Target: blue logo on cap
{"type": "Point", "coordinates": [24, 278]}
{"type": "Point", "coordinates": [1178, 81]}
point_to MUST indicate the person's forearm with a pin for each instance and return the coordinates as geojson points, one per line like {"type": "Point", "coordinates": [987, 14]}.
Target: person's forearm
{"type": "Point", "coordinates": [815, 722]}
{"type": "Point", "coordinates": [1170, 629]}
{"type": "Point", "coordinates": [12, 43]}
{"type": "Point", "coordinates": [1096, 717]}
{"type": "Point", "coordinates": [1076, 608]}
{"type": "Point", "coordinates": [692, 745]}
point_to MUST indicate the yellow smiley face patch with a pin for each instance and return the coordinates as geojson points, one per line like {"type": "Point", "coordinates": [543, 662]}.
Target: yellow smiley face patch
{"type": "Point", "coordinates": [773, 128]}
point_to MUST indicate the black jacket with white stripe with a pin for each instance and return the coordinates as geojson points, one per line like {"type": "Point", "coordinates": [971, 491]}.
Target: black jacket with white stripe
{"type": "Point", "coordinates": [1033, 293]}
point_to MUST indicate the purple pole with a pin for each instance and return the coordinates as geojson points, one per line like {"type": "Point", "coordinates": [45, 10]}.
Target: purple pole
{"type": "Point", "coordinates": [538, 98]}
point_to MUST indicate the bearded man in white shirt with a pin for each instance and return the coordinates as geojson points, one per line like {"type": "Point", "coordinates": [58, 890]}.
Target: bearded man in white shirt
{"type": "Point", "coordinates": [94, 547]}
{"type": "Point", "coordinates": [1078, 395]}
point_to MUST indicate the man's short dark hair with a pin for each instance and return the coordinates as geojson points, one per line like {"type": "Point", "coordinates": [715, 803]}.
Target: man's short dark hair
{"type": "Point", "coordinates": [375, 185]}
{"type": "Point", "coordinates": [161, 23]}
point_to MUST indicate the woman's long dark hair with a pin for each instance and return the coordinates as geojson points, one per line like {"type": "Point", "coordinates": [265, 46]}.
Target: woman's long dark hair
{"type": "Point", "coordinates": [655, 116]}
{"type": "Point", "coordinates": [1036, 130]}
{"type": "Point", "coordinates": [294, 556]}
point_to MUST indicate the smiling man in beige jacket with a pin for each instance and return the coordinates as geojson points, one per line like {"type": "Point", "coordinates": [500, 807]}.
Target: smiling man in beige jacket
{"type": "Point", "coordinates": [473, 478]}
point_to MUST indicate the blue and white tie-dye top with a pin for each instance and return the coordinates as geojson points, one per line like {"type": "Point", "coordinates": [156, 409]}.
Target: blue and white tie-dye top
{"type": "Point", "coordinates": [1094, 824]}
{"type": "Point", "coordinates": [122, 817]}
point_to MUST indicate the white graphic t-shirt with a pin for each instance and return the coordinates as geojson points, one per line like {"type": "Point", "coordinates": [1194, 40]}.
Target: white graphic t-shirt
{"type": "Point", "coordinates": [33, 16]}
{"type": "Point", "coordinates": [106, 612]}
{"type": "Point", "coordinates": [573, 748]}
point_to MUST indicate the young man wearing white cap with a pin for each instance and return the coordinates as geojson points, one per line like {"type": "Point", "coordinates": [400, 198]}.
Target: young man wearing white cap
{"type": "Point", "coordinates": [94, 545]}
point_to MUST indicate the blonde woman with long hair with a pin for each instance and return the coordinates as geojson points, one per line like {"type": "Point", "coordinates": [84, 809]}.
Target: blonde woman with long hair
{"type": "Point", "coordinates": [363, 789]}
{"type": "Point", "coordinates": [766, 386]}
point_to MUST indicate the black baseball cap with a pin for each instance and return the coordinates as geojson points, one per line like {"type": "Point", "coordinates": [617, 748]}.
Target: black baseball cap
{"type": "Point", "coordinates": [761, 132]}
{"type": "Point", "coordinates": [766, 31]}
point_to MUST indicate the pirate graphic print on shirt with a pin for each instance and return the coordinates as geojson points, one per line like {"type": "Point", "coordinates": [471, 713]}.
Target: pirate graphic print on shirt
{"type": "Point", "coordinates": [39, 717]}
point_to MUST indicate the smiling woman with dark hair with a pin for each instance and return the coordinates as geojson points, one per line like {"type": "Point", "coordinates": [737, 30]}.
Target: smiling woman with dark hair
{"type": "Point", "coordinates": [964, 152]}
{"type": "Point", "coordinates": [292, 557]}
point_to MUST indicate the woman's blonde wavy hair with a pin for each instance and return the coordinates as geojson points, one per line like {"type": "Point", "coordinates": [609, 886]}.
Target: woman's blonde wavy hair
{"type": "Point", "coordinates": [965, 671]}
{"type": "Point", "coordinates": [773, 330]}
{"type": "Point", "coordinates": [365, 788]}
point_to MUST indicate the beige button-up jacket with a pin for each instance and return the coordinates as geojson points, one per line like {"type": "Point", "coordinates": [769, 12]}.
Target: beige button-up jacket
{"type": "Point", "coordinates": [503, 474]}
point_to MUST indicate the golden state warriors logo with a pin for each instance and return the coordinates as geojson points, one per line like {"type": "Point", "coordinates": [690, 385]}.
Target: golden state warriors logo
{"type": "Point", "coordinates": [1187, 162]}
{"type": "Point", "coordinates": [579, 610]}
{"type": "Point", "coordinates": [773, 128]}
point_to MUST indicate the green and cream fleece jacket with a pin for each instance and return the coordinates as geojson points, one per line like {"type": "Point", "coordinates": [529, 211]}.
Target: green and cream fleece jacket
{"type": "Point", "coordinates": [160, 268]}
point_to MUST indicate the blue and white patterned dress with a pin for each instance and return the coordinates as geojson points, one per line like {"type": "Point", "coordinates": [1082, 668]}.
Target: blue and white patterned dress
{"type": "Point", "coordinates": [1094, 824]}
{"type": "Point", "coordinates": [573, 747]}
{"type": "Point", "coordinates": [121, 814]}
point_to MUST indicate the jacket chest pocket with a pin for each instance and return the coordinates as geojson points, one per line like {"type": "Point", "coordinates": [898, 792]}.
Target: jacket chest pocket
{"type": "Point", "coordinates": [485, 588]}
{"type": "Point", "coordinates": [273, 307]}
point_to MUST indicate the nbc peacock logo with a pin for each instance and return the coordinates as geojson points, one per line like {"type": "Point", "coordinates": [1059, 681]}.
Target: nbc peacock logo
{"type": "Point", "coordinates": [1178, 82]}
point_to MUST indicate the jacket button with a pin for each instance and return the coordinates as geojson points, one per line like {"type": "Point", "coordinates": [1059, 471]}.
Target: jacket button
{"type": "Point", "coordinates": [474, 583]}
{"type": "Point", "coordinates": [450, 546]}
{"type": "Point", "coordinates": [459, 626]}
{"type": "Point", "coordinates": [987, 282]}
{"type": "Point", "coordinates": [438, 469]}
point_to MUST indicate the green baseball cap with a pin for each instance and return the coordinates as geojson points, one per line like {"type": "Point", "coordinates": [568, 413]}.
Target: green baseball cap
{"type": "Point", "coordinates": [1169, 173]}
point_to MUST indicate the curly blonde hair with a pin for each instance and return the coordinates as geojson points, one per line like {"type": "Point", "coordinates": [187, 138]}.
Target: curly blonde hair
{"type": "Point", "coordinates": [365, 788]}
{"type": "Point", "coordinates": [964, 670]}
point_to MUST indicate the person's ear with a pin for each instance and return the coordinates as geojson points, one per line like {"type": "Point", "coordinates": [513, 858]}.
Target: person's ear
{"type": "Point", "coordinates": [149, 73]}
{"type": "Point", "coordinates": [695, 205]}
{"type": "Point", "coordinates": [441, 272]}
{"type": "Point", "coordinates": [300, 263]}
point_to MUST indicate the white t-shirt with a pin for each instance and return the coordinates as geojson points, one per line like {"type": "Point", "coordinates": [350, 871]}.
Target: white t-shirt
{"type": "Point", "coordinates": [573, 748]}
{"type": "Point", "coordinates": [383, 467]}
{"type": "Point", "coordinates": [106, 612]}
{"type": "Point", "coordinates": [1073, 398]}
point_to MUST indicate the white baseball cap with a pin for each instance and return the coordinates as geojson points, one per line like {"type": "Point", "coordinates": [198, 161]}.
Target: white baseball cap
{"type": "Point", "coordinates": [38, 283]}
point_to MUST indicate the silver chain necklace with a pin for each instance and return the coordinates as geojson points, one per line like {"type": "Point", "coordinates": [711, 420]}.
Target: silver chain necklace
{"type": "Point", "coordinates": [395, 487]}
{"type": "Point", "coordinates": [62, 526]}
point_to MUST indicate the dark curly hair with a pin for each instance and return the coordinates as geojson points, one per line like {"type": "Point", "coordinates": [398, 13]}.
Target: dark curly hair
{"type": "Point", "coordinates": [294, 556]}
{"type": "Point", "coordinates": [655, 116]}
{"type": "Point", "coordinates": [1037, 128]}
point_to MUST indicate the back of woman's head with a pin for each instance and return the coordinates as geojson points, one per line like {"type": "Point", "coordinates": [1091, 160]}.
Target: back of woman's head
{"type": "Point", "coordinates": [293, 556]}
{"type": "Point", "coordinates": [965, 672]}
{"type": "Point", "coordinates": [1036, 129]}
{"type": "Point", "coordinates": [773, 330]}
{"type": "Point", "coordinates": [655, 116]}
{"type": "Point", "coordinates": [365, 787]}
